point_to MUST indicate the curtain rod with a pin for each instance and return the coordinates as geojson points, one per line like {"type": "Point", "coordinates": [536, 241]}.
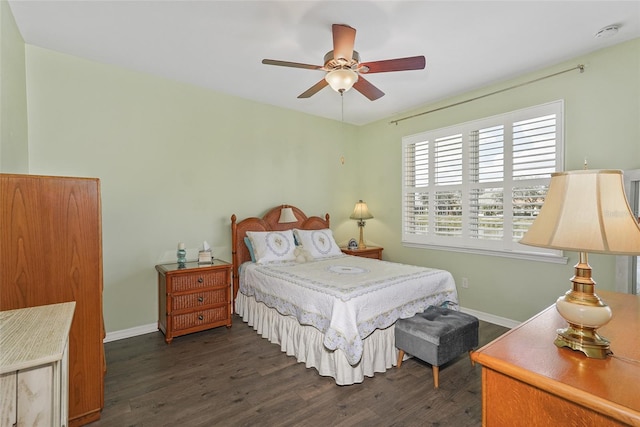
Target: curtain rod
{"type": "Point", "coordinates": [577, 67]}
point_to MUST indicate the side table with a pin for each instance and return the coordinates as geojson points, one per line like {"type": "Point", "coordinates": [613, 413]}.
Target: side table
{"type": "Point", "coordinates": [194, 298]}
{"type": "Point", "coordinates": [374, 252]}
{"type": "Point", "coordinates": [34, 365]}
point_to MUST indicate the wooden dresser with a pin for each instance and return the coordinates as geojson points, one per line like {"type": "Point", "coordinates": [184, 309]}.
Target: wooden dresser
{"type": "Point", "coordinates": [528, 381]}
{"type": "Point", "coordinates": [34, 368]}
{"type": "Point", "coordinates": [51, 252]}
{"type": "Point", "coordinates": [194, 298]}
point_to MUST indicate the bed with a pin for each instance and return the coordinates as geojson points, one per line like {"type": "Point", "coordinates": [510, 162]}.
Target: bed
{"type": "Point", "coordinates": [333, 312]}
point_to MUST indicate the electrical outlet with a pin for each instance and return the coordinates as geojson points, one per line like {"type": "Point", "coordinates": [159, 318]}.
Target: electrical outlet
{"type": "Point", "coordinates": [465, 283]}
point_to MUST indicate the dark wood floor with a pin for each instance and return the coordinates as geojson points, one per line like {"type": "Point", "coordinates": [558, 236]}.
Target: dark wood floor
{"type": "Point", "coordinates": [233, 377]}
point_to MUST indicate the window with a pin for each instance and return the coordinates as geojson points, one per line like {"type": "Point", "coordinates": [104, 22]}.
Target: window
{"type": "Point", "coordinates": [478, 186]}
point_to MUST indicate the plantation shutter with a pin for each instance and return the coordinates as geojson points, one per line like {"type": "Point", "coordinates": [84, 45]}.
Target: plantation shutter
{"type": "Point", "coordinates": [448, 179]}
{"type": "Point", "coordinates": [534, 159]}
{"type": "Point", "coordinates": [416, 181]}
{"type": "Point", "coordinates": [481, 184]}
{"type": "Point", "coordinates": [486, 174]}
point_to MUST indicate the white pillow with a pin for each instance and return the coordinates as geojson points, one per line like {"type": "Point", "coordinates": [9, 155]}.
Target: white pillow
{"type": "Point", "coordinates": [272, 246]}
{"type": "Point", "coordinates": [319, 243]}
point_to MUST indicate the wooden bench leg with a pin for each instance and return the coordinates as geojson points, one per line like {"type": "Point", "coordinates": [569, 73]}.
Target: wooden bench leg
{"type": "Point", "coordinates": [436, 371]}
{"type": "Point", "coordinates": [400, 357]}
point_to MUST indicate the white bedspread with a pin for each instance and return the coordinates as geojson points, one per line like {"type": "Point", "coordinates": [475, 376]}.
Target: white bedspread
{"type": "Point", "coordinates": [347, 297]}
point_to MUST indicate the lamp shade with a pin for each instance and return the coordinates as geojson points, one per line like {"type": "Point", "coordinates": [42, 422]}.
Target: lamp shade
{"type": "Point", "coordinates": [361, 211]}
{"type": "Point", "coordinates": [342, 79]}
{"type": "Point", "coordinates": [286, 215]}
{"type": "Point", "coordinates": [586, 211]}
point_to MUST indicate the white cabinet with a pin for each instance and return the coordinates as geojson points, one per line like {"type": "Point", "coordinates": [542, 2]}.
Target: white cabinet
{"type": "Point", "coordinates": [34, 365]}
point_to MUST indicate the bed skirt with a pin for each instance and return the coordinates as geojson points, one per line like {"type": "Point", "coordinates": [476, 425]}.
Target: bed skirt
{"type": "Point", "coordinates": [305, 343]}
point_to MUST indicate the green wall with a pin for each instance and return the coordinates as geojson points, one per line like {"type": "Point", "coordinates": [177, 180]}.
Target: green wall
{"type": "Point", "coordinates": [14, 154]}
{"type": "Point", "coordinates": [175, 161]}
{"type": "Point", "coordinates": [602, 124]}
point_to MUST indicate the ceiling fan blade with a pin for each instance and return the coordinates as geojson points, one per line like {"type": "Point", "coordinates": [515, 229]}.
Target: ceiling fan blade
{"type": "Point", "coordinates": [399, 64]}
{"type": "Point", "coordinates": [314, 89]}
{"type": "Point", "coordinates": [344, 37]}
{"type": "Point", "coordinates": [367, 89]}
{"type": "Point", "coordinates": [292, 64]}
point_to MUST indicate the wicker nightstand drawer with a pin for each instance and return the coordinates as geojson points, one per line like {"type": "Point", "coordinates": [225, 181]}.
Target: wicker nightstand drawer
{"type": "Point", "coordinates": [204, 279]}
{"type": "Point", "coordinates": [199, 299]}
{"type": "Point", "coordinates": [198, 319]}
{"type": "Point", "coordinates": [193, 298]}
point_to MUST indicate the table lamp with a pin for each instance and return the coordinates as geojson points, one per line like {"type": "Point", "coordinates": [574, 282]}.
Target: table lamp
{"type": "Point", "coordinates": [287, 215]}
{"type": "Point", "coordinates": [361, 212]}
{"type": "Point", "coordinates": [585, 211]}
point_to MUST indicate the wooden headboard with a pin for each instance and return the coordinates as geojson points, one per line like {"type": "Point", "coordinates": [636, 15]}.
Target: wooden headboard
{"type": "Point", "coordinates": [269, 222]}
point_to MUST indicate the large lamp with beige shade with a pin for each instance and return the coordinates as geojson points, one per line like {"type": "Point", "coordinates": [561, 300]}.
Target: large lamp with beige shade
{"type": "Point", "coordinates": [585, 211]}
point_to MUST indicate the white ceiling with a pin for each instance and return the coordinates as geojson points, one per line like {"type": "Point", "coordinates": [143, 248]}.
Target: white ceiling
{"type": "Point", "coordinates": [220, 44]}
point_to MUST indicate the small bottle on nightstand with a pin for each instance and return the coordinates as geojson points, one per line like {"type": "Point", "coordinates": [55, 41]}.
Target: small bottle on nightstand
{"type": "Point", "coordinates": [182, 255]}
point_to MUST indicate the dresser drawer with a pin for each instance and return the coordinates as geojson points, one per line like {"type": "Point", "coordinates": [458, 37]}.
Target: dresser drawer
{"type": "Point", "coordinates": [200, 299]}
{"type": "Point", "coordinates": [204, 279]}
{"type": "Point", "coordinates": [373, 255]}
{"type": "Point", "coordinates": [199, 318]}
{"type": "Point", "coordinates": [374, 252]}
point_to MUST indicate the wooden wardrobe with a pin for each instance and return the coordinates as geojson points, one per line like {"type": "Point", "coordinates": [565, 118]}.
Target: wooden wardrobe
{"type": "Point", "coordinates": [51, 252]}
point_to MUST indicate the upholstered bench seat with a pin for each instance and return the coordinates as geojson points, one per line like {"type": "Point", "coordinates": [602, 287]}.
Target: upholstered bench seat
{"type": "Point", "coordinates": [436, 336]}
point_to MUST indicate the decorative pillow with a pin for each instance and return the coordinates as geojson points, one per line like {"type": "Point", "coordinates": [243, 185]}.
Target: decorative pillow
{"type": "Point", "coordinates": [272, 246]}
{"type": "Point", "coordinates": [319, 243]}
{"type": "Point", "coordinates": [247, 242]}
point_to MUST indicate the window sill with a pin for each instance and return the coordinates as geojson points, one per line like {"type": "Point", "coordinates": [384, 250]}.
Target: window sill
{"type": "Point", "coordinates": [554, 259]}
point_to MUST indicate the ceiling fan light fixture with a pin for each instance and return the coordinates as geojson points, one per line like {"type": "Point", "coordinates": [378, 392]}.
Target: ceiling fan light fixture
{"type": "Point", "coordinates": [342, 79]}
{"type": "Point", "coordinates": [344, 70]}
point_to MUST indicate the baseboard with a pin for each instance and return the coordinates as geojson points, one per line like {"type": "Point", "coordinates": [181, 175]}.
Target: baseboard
{"type": "Point", "coordinates": [491, 318]}
{"type": "Point", "coordinates": [152, 327]}
{"type": "Point", "coordinates": [131, 332]}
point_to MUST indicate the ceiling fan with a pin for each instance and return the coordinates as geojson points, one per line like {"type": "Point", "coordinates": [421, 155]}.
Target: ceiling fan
{"type": "Point", "coordinates": [344, 69]}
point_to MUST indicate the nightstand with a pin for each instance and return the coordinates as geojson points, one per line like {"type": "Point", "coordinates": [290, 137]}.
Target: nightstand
{"type": "Point", "coordinates": [374, 252]}
{"type": "Point", "coordinates": [193, 298]}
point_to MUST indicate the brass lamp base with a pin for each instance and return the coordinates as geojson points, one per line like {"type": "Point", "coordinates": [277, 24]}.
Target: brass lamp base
{"type": "Point", "coordinates": [585, 340]}
{"type": "Point", "coordinates": [585, 312]}
{"type": "Point", "coordinates": [361, 244]}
